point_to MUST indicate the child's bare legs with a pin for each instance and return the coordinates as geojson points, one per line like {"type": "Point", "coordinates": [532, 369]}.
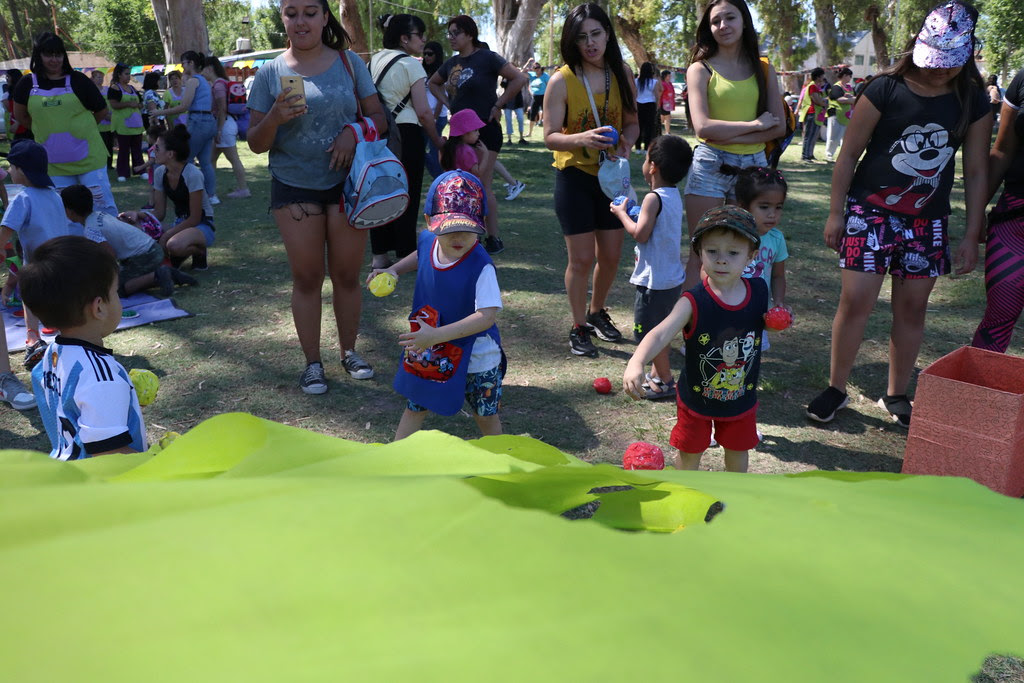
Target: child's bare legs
{"type": "Point", "coordinates": [486, 177]}
{"type": "Point", "coordinates": [687, 461]}
{"type": "Point", "coordinates": [662, 368]}
{"type": "Point", "coordinates": [31, 326]}
{"type": "Point", "coordinates": [856, 300]}
{"type": "Point", "coordinates": [490, 425]}
{"type": "Point", "coordinates": [735, 461]}
{"type": "Point", "coordinates": [412, 421]}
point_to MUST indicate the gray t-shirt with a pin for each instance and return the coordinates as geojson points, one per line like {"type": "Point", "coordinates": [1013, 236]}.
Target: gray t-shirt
{"type": "Point", "coordinates": [126, 240]}
{"type": "Point", "coordinates": [299, 155]}
{"type": "Point", "coordinates": [658, 264]}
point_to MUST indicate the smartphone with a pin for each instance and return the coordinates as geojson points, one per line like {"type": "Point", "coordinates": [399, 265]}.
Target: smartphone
{"type": "Point", "coordinates": [295, 83]}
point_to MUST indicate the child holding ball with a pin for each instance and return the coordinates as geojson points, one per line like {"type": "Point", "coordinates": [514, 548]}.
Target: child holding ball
{"type": "Point", "coordinates": [722, 320]}
{"type": "Point", "coordinates": [453, 353]}
{"type": "Point", "coordinates": [762, 191]}
{"type": "Point", "coordinates": [658, 273]}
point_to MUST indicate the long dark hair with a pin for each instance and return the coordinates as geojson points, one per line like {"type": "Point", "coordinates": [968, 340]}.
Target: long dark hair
{"type": "Point", "coordinates": [115, 78]}
{"type": "Point", "coordinates": [151, 81]}
{"type": "Point", "coordinates": [753, 180]}
{"type": "Point", "coordinates": [466, 24]}
{"type": "Point", "coordinates": [218, 68]}
{"type": "Point", "coordinates": [647, 74]}
{"type": "Point", "coordinates": [706, 46]}
{"type": "Point", "coordinates": [966, 82]}
{"type": "Point", "coordinates": [176, 141]}
{"type": "Point", "coordinates": [333, 35]}
{"type": "Point", "coordinates": [394, 26]}
{"type": "Point", "coordinates": [448, 152]}
{"type": "Point", "coordinates": [195, 58]}
{"type": "Point", "coordinates": [51, 44]}
{"type": "Point", "coordinates": [438, 51]}
{"type": "Point", "coordinates": [612, 56]}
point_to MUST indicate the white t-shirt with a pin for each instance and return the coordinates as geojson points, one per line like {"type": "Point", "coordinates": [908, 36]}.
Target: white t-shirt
{"type": "Point", "coordinates": [397, 81]}
{"type": "Point", "coordinates": [486, 353]}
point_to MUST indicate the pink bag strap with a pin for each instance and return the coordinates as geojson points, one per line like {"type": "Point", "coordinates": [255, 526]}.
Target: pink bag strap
{"type": "Point", "coordinates": [365, 124]}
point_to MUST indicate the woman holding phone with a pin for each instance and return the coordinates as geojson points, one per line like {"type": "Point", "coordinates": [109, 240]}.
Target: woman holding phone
{"type": "Point", "coordinates": [301, 103]}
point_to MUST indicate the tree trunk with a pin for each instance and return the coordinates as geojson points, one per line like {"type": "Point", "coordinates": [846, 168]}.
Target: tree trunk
{"type": "Point", "coordinates": [879, 38]}
{"type": "Point", "coordinates": [16, 21]}
{"type": "Point", "coordinates": [352, 22]}
{"type": "Point", "coordinates": [629, 33]}
{"type": "Point", "coordinates": [5, 32]}
{"type": "Point", "coordinates": [515, 22]}
{"type": "Point", "coordinates": [825, 30]}
{"type": "Point", "coordinates": [182, 27]}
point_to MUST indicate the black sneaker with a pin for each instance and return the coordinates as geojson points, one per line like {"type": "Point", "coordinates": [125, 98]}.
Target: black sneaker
{"type": "Point", "coordinates": [314, 379]}
{"type": "Point", "coordinates": [199, 261]}
{"type": "Point", "coordinates": [34, 354]}
{"type": "Point", "coordinates": [165, 280]}
{"type": "Point", "coordinates": [898, 407]}
{"type": "Point", "coordinates": [601, 324]}
{"type": "Point", "coordinates": [493, 245]}
{"type": "Point", "coordinates": [181, 278]}
{"type": "Point", "coordinates": [579, 342]}
{"type": "Point", "coordinates": [827, 404]}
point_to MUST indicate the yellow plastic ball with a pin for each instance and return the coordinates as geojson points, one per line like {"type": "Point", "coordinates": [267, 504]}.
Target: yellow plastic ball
{"type": "Point", "coordinates": [383, 284]}
{"type": "Point", "coordinates": [146, 385]}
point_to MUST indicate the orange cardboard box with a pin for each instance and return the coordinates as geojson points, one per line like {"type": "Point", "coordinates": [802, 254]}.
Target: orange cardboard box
{"type": "Point", "coordinates": [969, 420]}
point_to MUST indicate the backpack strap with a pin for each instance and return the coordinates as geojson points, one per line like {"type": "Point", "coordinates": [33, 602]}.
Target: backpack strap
{"type": "Point", "coordinates": [401, 105]}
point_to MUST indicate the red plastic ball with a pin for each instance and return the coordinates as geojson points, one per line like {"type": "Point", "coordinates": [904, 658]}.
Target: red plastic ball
{"type": "Point", "coordinates": [641, 455]}
{"type": "Point", "coordinates": [778, 318]}
{"type": "Point", "coordinates": [603, 385]}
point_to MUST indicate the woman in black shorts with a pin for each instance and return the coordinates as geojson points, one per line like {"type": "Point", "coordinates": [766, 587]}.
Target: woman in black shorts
{"type": "Point", "coordinates": [592, 233]}
{"type": "Point", "coordinates": [468, 80]}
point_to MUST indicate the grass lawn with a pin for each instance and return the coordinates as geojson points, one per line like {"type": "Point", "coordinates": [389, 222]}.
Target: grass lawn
{"type": "Point", "coordinates": [239, 351]}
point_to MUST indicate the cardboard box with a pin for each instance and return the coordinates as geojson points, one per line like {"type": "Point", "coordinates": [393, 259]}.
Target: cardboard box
{"type": "Point", "coordinates": [969, 420]}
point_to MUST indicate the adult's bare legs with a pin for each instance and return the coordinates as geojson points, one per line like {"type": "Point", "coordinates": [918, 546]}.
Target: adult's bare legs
{"type": "Point", "coordinates": [303, 229]}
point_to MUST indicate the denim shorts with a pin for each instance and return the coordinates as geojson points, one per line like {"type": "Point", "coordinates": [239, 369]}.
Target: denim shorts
{"type": "Point", "coordinates": [282, 195]}
{"type": "Point", "coordinates": [483, 392]}
{"type": "Point", "coordinates": [206, 227]}
{"type": "Point", "coordinates": [707, 179]}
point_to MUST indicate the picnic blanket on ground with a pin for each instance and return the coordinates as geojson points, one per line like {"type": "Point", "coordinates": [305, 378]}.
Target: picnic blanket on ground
{"type": "Point", "coordinates": [150, 309]}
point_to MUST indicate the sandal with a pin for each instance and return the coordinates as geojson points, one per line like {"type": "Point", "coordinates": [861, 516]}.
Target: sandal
{"type": "Point", "coordinates": [656, 390]}
{"type": "Point", "coordinates": [34, 353]}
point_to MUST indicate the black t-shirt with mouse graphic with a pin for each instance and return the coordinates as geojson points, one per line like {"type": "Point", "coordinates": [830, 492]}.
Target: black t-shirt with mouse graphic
{"type": "Point", "coordinates": [1015, 98]}
{"type": "Point", "coordinates": [909, 166]}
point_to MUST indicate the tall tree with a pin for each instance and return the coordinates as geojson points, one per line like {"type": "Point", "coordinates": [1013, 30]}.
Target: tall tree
{"type": "Point", "coordinates": [515, 22]}
{"type": "Point", "coordinates": [826, 33]}
{"type": "Point", "coordinates": [1002, 34]}
{"type": "Point", "coordinates": [782, 21]}
{"type": "Point", "coordinates": [123, 31]}
{"type": "Point", "coordinates": [182, 26]}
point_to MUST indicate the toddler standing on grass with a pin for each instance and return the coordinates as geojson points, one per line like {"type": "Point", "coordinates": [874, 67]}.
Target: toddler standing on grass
{"type": "Point", "coordinates": [722, 320]}
{"type": "Point", "coordinates": [453, 353]}
{"type": "Point", "coordinates": [658, 273]}
{"type": "Point", "coordinates": [762, 192]}
{"type": "Point", "coordinates": [36, 214]}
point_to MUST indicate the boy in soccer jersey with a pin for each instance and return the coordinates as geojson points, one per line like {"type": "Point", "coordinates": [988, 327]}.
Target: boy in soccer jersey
{"type": "Point", "coordinates": [87, 402]}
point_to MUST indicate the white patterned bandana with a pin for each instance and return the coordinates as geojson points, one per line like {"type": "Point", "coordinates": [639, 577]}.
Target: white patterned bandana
{"type": "Point", "coordinates": [946, 40]}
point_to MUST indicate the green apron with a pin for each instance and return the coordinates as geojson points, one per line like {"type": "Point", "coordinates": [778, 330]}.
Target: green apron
{"type": "Point", "coordinates": [126, 121]}
{"type": "Point", "coordinates": [62, 124]}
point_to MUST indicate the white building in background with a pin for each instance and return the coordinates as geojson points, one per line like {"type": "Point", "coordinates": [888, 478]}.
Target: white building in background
{"type": "Point", "coordinates": [860, 57]}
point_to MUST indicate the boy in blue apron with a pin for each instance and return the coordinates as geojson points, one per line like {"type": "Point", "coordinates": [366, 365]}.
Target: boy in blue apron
{"type": "Point", "coordinates": [453, 352]}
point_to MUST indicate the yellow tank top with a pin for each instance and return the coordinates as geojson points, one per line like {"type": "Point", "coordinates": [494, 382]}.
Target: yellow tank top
{"type": "Point", "coordinates": [579, 116]}
{"type": "Point", "coordinates": [733, 101]}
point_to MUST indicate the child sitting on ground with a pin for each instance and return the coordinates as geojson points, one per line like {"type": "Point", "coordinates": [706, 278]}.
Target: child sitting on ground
{"type": "Point", "coordinates": [36, 214]}
{"type": "Point", "coordinates": [139, 256]}
{"type": "Point", "coordinates": [87, 402]}
{"type": "Point", "coordinates": [722, 320]}
{"type": "Point", "coordinates": [762, 192]}
{"type": "Point", "coordinates": [658, 273]}
{"type": "Point", "coordinates": [453, 352]}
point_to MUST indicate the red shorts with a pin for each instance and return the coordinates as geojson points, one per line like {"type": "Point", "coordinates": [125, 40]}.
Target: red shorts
{"type": "Point", "coordinates": [692, 433]}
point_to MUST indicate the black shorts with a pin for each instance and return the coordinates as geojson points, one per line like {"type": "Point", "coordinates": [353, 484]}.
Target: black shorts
{"type": "Point", "coordinates": [282, 195]}
{"type": "Point", "coordinates": [580, 204]}
{"type": "Point", "coordinates": [664, 112]}
{"type": "Point", "coordinates": [538, 100]}
{"type": "Point", "coordinates": [491, 136]}
{"type": "Point", "coordinates": [651, 306]}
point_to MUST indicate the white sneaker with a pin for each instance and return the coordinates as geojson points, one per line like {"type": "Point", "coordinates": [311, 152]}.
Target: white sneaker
{"type": "Point", "coordinates": [515, 190]}
{"type": "Point", "coordinates": [214, 200]}
{"type": "Point", "coordinates": [121, 179]}
{"type": "Point", "coordinates": [15, 393]}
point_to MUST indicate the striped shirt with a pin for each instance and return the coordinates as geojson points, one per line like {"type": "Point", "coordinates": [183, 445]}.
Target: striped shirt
{"type": "Point", "coordinates": [87, 402]}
